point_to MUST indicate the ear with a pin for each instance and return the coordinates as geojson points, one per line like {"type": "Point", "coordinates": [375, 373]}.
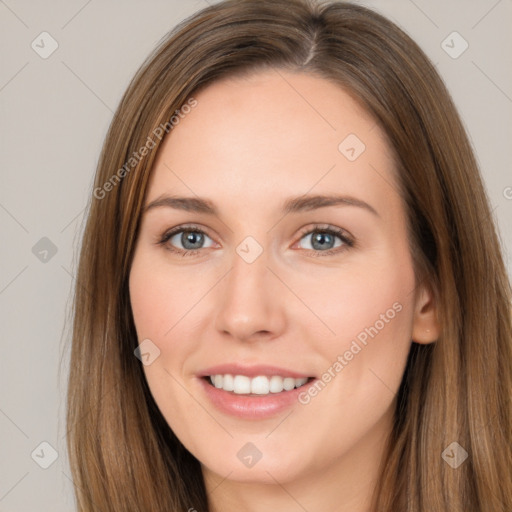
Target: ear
{"type": "Point", "coordinates": [426, 328]}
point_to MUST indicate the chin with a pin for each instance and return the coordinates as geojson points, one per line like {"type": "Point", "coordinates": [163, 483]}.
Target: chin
{"type": "Point", "coordinates": [257, 462]}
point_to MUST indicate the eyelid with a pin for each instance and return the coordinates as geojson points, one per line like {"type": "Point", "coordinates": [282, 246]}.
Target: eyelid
{"type": "Point", "coordinates": [184, 227]}
{"type": "Point", "coordinates": [342, 233]}
{"type": "Point", "coordinates": [168, 234]}
{"type": "Point", "coordinates": [347, 239]}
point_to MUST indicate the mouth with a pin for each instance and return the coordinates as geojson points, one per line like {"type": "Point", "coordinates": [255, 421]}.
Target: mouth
{"type": "Point", "coordinates": [257, 386]}
{"type": "Point", "coordinates": [255, 391]}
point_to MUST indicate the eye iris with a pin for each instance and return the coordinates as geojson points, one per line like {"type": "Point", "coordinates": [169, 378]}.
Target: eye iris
{"type": "Point", "coordinates": [321, 239]}
{"type": "Point", "coordinates": [192, 237]}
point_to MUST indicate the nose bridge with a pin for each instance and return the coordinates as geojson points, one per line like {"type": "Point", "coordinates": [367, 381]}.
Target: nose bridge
{"type": "Point", "coordinates": [250, 294]}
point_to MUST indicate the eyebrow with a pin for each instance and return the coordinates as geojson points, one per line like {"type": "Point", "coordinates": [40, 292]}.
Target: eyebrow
{"type": "Point", "coordinates": [291, 205]}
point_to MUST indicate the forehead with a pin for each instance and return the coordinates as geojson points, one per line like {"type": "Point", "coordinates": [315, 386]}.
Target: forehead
{"type": "Point", "coordinates": [270, 134]}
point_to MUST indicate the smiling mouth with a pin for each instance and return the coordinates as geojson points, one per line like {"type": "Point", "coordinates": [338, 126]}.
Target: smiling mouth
{"type": "Point", "coordinates": [255, 386]}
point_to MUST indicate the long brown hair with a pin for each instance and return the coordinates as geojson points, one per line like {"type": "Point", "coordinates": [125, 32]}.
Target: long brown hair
{"type": "Point", "coordinates": [123, 454]}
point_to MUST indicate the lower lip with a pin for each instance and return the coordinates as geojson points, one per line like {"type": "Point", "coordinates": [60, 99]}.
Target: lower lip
{"type": "Point", "coordinates": [252, 407]}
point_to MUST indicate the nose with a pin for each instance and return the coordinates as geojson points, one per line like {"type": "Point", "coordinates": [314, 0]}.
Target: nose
{"type": "Point", "coordinates": [250, 303]}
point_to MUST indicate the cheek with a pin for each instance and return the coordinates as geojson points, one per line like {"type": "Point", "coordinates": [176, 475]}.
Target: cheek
{"type": "Point", "coordinates": [370, 313]}
{"type": "Point", "coordinates": [370, 301]}
{"type": "Point", "coordinates": [160, 301]}
{"type": "Point", "coordinates": [166, 303]}
{"type": "Point", "coordinates": [158, 298]}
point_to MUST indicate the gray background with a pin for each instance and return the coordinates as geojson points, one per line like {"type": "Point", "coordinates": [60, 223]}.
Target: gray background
{"type": "Point", "coordinates": [54, 116]}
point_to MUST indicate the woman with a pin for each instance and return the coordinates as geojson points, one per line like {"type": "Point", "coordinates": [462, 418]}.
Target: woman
{"type": "Point", "coordinates": [291, 293]}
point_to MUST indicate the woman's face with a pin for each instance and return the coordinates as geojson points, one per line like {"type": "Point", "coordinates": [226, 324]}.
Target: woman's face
{"type": "Point", "coordinates": [301, 269]}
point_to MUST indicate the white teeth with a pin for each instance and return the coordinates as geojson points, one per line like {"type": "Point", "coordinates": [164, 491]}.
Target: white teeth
{"type": "Point", "coordinates": [218, 381]}
{"type": "Point", "coordinates": [260, 385]}
{"type": "Point", "coordinates": [241, 384]}
{"type": "Point", "coordinates": [276, 384]}
{"type": "Point", "coordinates": [288, 383]}
{"type": "Point", "coordinates": [228, 383]}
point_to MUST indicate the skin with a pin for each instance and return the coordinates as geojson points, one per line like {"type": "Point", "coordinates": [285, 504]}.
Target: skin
{"type": "Point", "coordinates": [251, 143]}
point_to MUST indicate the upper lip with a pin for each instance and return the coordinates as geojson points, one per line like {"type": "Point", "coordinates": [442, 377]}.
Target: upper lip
{"type": "Point", "coordinates": [251, 371]}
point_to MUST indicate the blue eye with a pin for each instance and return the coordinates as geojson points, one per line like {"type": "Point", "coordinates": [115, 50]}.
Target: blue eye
{"type": "Point", "coordinates": [323, 241]}
{"type": "Point", "coordinates": [191, 240]}
{"type": "Point", "coordinates": [326, 241]}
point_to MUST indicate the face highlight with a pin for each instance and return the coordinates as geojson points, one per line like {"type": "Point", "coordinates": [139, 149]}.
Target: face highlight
{"type": "Point", "coordinates": [273, 253]}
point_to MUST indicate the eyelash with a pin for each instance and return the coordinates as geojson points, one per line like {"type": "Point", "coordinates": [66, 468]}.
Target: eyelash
{"type": "Point", "coordinates": [341, 234]}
